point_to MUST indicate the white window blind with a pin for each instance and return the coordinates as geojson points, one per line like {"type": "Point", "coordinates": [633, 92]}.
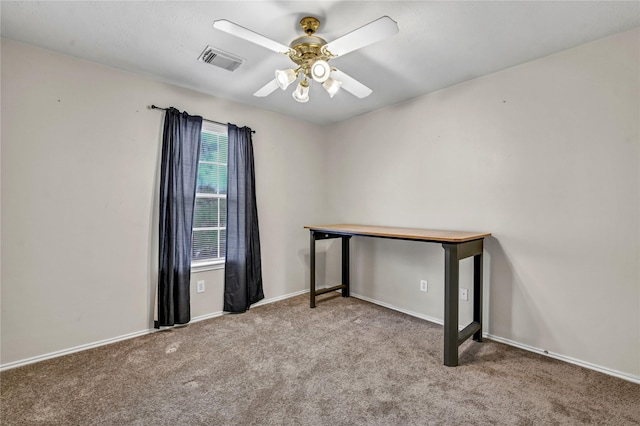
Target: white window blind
{"type": "Point", "coordinates": [210, 222]}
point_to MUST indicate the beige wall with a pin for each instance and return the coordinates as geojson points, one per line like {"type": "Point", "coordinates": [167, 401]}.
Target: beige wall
{"type": "Point", "coordinates": [546, 157]}
{"type": "Point", "coordinates": [80, 160]}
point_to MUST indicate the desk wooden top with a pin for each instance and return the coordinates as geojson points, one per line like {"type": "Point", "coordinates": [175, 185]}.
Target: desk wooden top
{"type": "Point", "coordinates": [402, 233]}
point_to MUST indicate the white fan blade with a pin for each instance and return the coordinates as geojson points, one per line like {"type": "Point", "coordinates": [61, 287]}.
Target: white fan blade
{"type": "Point", "coordinates": [368, 34]}
{"type": "Point", "coordinates": [351, 85]}
{"type": "Point", "coordinates": [267, 89]}
{"type": "Point", "coordinates": [241, 32]}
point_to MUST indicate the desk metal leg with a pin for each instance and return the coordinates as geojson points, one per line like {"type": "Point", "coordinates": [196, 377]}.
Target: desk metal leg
{"type": "Point", "coordinates": [345, 265]}
{"type": "Point", "coordinates": [477, 295]}
{"type": "Point", "coordinates": [312, 267]}
{"type": "Point", "coordinates": [451, 283]}
{"type": "Point", "coordinates": [453, 338]}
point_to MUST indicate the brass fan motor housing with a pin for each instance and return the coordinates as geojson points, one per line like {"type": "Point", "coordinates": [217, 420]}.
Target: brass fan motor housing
{"type": "Point", "coordinates": [310, 24]}
{"type": "Point", "coordinates": [307, 49]}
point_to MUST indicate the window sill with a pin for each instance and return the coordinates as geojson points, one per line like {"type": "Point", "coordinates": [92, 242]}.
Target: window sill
{"type": "Point", "coordinates": [207, 266]}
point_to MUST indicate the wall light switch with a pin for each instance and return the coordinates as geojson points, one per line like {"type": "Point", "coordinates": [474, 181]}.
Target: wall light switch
{"type": "Point", "coordinates": [200, 287]}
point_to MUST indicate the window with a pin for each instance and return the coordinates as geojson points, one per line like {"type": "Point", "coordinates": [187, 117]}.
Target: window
{"type": "Point", "coordinates": [210, 222]}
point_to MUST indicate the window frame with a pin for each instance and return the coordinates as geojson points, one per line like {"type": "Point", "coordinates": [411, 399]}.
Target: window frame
{"type": "Point", "coordinates": [217, 263]}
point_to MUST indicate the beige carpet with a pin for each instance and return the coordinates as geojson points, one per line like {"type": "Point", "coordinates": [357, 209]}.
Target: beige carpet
{"type": "Point", "coordinates": [347, 362]}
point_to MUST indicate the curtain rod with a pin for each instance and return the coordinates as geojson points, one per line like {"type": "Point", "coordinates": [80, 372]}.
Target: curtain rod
{"type": "Point", "coordinates": [205, 119]}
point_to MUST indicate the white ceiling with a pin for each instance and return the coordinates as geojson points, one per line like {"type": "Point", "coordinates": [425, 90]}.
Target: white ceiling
{"type": "Point", "coordinates": [439, 44]}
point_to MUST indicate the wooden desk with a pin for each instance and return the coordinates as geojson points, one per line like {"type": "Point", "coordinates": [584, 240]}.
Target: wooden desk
{"type": "Point", "coordinates": [457, 245]}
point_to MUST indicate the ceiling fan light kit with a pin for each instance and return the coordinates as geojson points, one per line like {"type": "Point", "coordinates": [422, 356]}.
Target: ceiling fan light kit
{"type": "Point", "coordinates": [285, 78]}
{"type": "Point", "coordinates": [312, 54]}
{"type": "Point", "coordinates": [301, 94]}
{"type": "Point", "coordinates": [331, 86]}
{"type": "Point", "coordinates": [308, 53]}
{"type": "Point", "coordinates": [320, 71]}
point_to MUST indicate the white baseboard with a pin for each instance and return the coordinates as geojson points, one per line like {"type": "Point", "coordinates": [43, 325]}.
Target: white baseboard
{"type": "Point", "coordinates": [578, 362]}
{"type": "Point", "coordinates": [279, 298]}
{"type": "Point", "coordinates": [104, 342]}
{"type": "Point", "coordinates": [590, 366]}
{"type": "Point", "coordinates": [395, 308]}
{"type": "Point", "coordinates": [63, 352]}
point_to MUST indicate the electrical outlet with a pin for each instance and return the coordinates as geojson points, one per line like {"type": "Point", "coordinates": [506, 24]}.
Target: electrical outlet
{"type": "Point", "coordinates": [464, 294]}
{"type": "Point", "coordinates": [200, 287]}
{"type": "Point", "coordinates": [423, 285]}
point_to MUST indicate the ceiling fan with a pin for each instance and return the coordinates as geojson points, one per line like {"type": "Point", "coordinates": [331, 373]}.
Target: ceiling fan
{"type": "Point", "coordinates": [312, 54]}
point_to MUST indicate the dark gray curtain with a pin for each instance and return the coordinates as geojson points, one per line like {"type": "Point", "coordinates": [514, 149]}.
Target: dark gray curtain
{"type": "Point", "coordinates": [178, 175]}
{"type": "Point", "coordinates": [243, 270]}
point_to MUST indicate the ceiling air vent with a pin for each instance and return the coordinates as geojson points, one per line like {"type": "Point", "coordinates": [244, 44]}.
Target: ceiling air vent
{"type": "Point", "coordinates": [220, 58]}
